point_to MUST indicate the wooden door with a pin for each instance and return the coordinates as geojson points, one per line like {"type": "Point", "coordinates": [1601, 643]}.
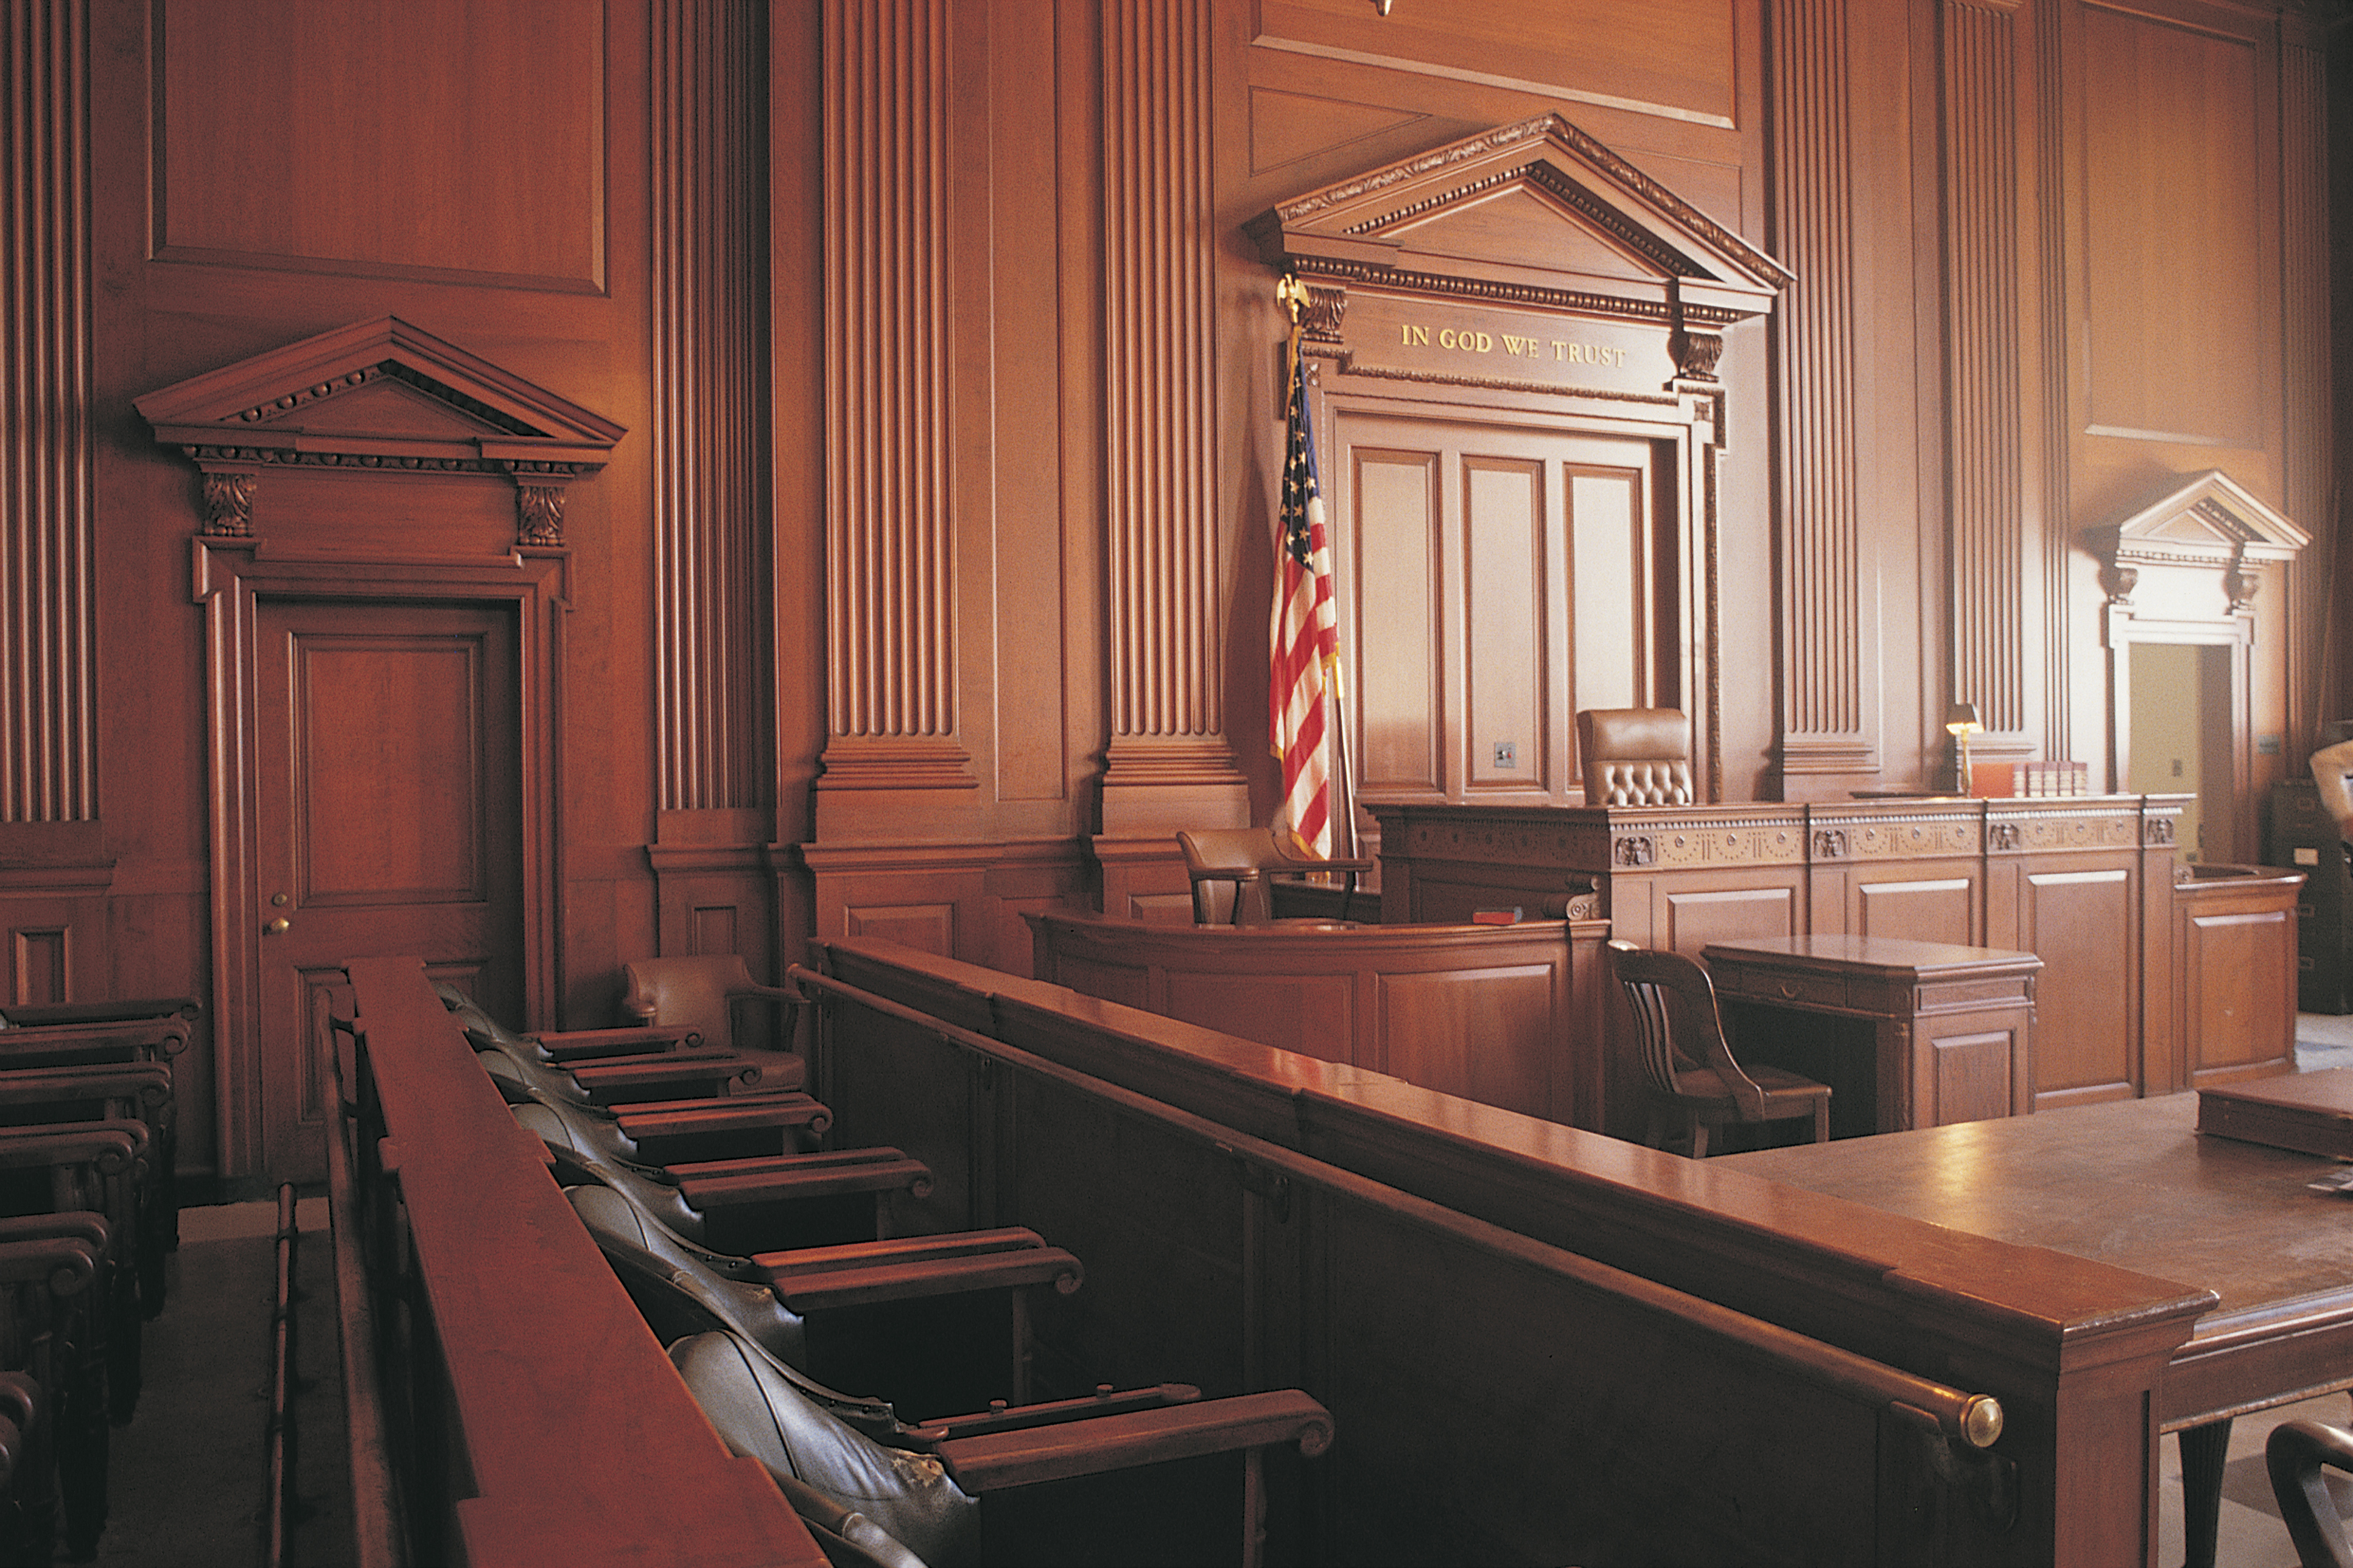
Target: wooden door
{"type": "Point", "coordinates": [390, 822]}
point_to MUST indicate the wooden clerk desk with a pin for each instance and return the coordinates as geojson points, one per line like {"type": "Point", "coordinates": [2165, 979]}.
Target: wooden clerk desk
{"type": "Point", "coordinates": [1906, 1034]}
{"type": "Point", "coordinates": [2131, 1183]}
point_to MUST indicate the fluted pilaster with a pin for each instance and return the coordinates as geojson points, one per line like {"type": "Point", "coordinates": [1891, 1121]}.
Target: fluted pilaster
{"type": "Point", "coordinates": [710, 329]}
{"type": "Point", "coordinates": [1986, 469]}
{"type": "Point", "coordinates": [47, 692]}
{"type": "Point", "coordinates": [1826, 642]}
{"type": "Point", "coordinates": [2305, 334]}
{"type": "Point", "coordinates": [891, 548]}
{"type": "Point", "coordinates": [1167, 724]}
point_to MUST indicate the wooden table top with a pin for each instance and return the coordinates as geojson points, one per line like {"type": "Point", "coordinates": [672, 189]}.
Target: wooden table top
{"type": "Point", "coordinates": [2129, 1183]}
{"type": "Point", "coordinates": [1875, 954]}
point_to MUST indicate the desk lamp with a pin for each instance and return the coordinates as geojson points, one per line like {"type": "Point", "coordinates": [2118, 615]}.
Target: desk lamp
{"type": "Point", "coordinates": [1961, 722]}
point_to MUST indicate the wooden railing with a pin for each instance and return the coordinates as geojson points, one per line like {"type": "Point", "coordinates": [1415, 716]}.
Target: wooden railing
{"type": "Point", "coordinates": [508, 1403]}
{"type": "Point", "coordinates": [1538, 1345]}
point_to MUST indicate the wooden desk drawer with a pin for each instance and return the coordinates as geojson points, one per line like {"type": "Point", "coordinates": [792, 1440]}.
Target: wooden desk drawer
{"type": "Point", "coordinates": [1797, 989]}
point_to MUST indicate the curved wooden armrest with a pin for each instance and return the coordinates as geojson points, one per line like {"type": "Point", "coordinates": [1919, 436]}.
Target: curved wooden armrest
{"type": "Point", "coordinates": [589, 1044]}
{"type": "Point", "coordinates": [1027, 1455]}
{"type": "Point", "coordinates": [20, 1398]}
{"type": "Point", "coordinates": [69, 1224]}
{"type": "Point", "coordinates": [128, 1009]}
{"type": "Point", "coordinates": [825, 1279]}
{"type": "Point", "coordinates": [127, 1041]}
{"type": "Point", "coordinates": [110, 1147]}
{"type": "Point", "coordinates": [1002, 1417]}
{"type": "Point", "coordinates": [773, 1178]}
{"type": "Point", "coordinates": [2294, 1455]}
{"type": "Point", "coordinates": [148, 1083]}
{"type": "Point", "coordinates": [735, 1113]}
{"type": "Point", "coordinates": [65, 1264]}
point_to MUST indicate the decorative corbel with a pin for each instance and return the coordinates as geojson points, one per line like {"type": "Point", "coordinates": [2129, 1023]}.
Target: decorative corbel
{"type": "Point", "coordinates": [2119, 581]}
{"type": "Point", "coordinates": [1696, 353]}
{"type": "Point", "coordinates": [2242, 582]}
{"type": "Point", "coordinates": [228, 503]}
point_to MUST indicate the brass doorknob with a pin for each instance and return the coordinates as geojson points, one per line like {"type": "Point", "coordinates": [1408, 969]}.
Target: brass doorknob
{"type": "Point", "coordinates": [279, 924]}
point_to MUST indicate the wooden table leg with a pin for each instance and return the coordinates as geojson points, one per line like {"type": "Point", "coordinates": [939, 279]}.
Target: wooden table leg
{"type": "Point", "coordinates": [2204, 1451]}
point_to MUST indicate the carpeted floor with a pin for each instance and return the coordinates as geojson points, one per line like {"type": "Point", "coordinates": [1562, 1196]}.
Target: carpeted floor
{"type": "Point", "coordinates": [190, 1471]}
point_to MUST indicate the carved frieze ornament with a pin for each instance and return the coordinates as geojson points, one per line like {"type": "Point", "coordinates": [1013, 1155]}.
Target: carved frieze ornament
{"type": "Point", "coordinates": [378, 398]}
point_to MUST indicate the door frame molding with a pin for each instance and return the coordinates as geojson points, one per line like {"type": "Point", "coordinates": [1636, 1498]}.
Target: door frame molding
{"type": "Point", "coordinates": [229, 577]}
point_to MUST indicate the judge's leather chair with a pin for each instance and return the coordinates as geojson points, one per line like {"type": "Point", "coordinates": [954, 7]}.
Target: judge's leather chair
{"type": "Point", "coordinates": [1635, 756]}
{"type": "Point", "coordinates": [1689, 1072]}
{"type": "Point", "coordinates": [1229, 867]}
{"type": "Point", "coordinates": [2298, 1453]}
{"type": "Point", "coordinates": [702, 993]}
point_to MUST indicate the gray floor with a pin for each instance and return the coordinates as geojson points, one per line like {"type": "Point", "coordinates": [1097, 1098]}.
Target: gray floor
{"type": "Point", "coordinates": [2251, 1535]}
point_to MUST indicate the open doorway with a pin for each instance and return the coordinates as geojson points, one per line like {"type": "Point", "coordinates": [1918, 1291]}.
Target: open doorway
{"type": "Point", "coordinates": [2181, 697]}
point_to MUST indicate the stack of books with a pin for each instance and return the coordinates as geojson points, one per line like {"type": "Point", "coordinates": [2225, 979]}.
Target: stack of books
{"type": "Point", "coordinates": [2030, 778]}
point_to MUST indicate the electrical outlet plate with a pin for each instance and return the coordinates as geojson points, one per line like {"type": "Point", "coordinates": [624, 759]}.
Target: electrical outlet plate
{"type": "Point", "coordinates": [1507, 753]}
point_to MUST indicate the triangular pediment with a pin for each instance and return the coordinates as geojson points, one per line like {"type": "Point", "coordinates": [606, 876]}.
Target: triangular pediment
{"type": "Point", "coordinates": [2211, 520]}
{"type": "Point", "coordinates": [1538, 208]}
{"type": "Point", "coordinates": [384, 390]}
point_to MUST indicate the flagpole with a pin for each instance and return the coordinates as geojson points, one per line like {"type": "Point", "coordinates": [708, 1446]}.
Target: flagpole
{"type": "Point", "coordinates": [1293, 296]}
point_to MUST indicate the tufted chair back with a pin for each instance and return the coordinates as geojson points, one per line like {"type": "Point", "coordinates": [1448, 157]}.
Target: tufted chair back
{"type": "Point", "coordinates": [1635, 756]}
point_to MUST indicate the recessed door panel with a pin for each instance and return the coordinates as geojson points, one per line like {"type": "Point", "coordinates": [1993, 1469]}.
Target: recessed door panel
{"type": "Point", "coordinates": [1393, 561]}
{"type": "Point", "coordinates": [1504, 556]}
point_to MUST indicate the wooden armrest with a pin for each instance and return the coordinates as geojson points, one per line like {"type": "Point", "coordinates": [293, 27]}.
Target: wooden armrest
{"type": "Point", "coordinates": [1003, 1417]}
{"type": "Point", "coordinates": [708, 1183]}
{"type": "Point", "coordinates": [71, 1225]}
{"type": "Point", "coordinates": [1058, 1451]}
{"type": "Point", "coordinates": [128, 1009]}
{"type": "Point", "coordinates": [149, 1083]}
{"type": "Point", "coordinates": [678, 1072]}
{"type": "Point", "coordinates": [736, 1113]}
{"type": "Point", "coordinates": [65, 1264]}
{"type": "Point", "coordinates": [20, 1398]}
{"type": "Point", "coordinates": [129, 1040]}
{"type": "Point", "coordinates": [824, 1279]}
{"type": "Point", "coordinates": [2294, 1456]}
{"type": "Point", "coordinates": [111, 1147]}
{"type": "Point", "coordinates": [580, 1045]}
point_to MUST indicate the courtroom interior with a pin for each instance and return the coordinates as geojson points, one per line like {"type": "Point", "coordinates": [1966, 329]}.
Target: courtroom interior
{"type": "Point", "coordinates": [1690, 949]}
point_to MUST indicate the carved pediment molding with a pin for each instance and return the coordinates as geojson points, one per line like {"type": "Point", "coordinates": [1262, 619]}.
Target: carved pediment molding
{"type": "Point", "coordinates": [2211, 522]}
{"type": "Point", "coordinates": [1591, 233]}
{"type": "Point", "coordinates": [381, 397]}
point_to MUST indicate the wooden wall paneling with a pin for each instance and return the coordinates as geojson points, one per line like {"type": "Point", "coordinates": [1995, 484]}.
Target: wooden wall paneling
{"type": "Point", "coordinates": [2235, 937]}
{"type": "Point", "coordinates": [1507, 526]}
{"type": "Point", "coordinates": [1169, 763]}
{"type": "Point", "coordinates": [890, 563]}
{"type": "Point", "coordinates": [371, 189]}
{"type": "Point", "coordinates": [2081, 921]}
{"type": "Point", "coordinates": [2306, 387]}
{"type": "Point", "coordinates": [1393, 568]}
{"type": "Point", "coordinates": [1991, 250]}
{"type": "Point", "coordinates": [1829, 691]}
{"type": "Point", "coordinates": [713, 659]}
{"type": "Point", "coordinates": [48, 674]}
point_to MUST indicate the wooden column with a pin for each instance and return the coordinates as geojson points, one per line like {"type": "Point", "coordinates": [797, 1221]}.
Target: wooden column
{"type": "Point", "coordinates": [2305, 338]}
{"type": "Point", "coordinates": [47, 683]}
{"type": "Point", "coordinates": [890, 542]}
{"type": "Point", "coordinates": [714, 756]}
{"type": "Point", "coordinates": [1989, 279]}
{"type": "Point", "coordinates": [1169, 763]}
{"type": "Point", "coordinates": [1828, 609]}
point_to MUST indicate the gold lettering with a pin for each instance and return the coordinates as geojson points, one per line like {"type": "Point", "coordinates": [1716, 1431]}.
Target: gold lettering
{"type": "Point", "coordinates": [1559, 349]}
{"type": "Point", "coordinates": [1416, 336]}
{"type": "Point", "coordinates": [1446, 337]}
{"type": "Point", "coordinates": [1486, 343]}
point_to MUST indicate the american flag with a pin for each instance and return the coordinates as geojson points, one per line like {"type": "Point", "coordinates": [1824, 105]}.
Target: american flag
{"type": "Point", "coordinates": [1305, 635]}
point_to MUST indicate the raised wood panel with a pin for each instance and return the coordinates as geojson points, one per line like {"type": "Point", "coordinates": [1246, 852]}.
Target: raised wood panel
{"type": "Point", "coordinates": [1969, 1077]}
{"type": "Point", "coordinates": [927, 927]}
{"type": "Point", "coordinates": [2171, 227]}
{"type": "Point", "coordinates": [39, 969]}
{"type": "Point", "coordinates": [2083, 924]}
{"type": "Point", "coordinates": [48, 672]}
{"type": "Point", "coordinates": [373, 153]}
{"type": "Point", "coordinates": [2239, 1012]}
{"type": "Point", "coordinates": [2304, 468]}
{"type": "Point", "coordinates": [1673, 59]}
{"type": "Point", "coordinates": [1611, 587]}
{"type": "Point", "coordinates": [1314, 1015]}
{"type": "Point", "coordinates": [1393, 561]}
{"type": "Point", "coordinates": [1506, 575]}
{"type": "Point", "coordinates": [1686, 920]}
{"type": "Point", "coordinates": [1442, 1028]}
{"type": "Point", "coordinates": [1936, 909]}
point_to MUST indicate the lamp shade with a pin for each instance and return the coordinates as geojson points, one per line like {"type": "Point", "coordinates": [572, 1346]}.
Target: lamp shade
{"type": "Point", "coordinates": [1961, 719]}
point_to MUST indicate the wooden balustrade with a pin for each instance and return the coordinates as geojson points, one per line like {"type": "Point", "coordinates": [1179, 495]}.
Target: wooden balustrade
{"type": "Point", "coordinates": [1539, 1344]}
